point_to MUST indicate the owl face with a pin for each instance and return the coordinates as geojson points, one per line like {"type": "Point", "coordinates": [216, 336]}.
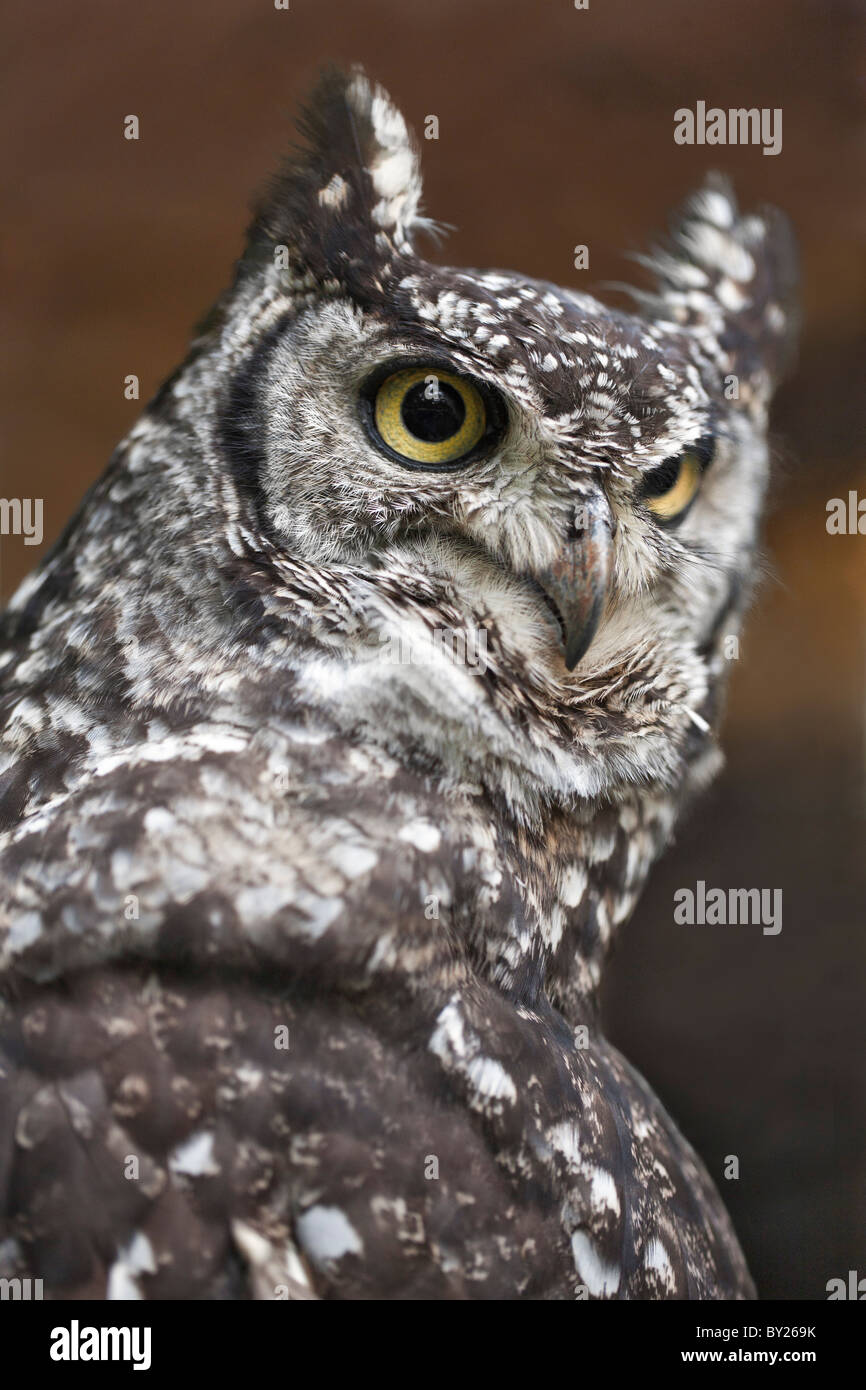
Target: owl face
{"type": "Point", "coordinates": [503, 456]}
{"type": "Point", "coordinates": [578, 461]}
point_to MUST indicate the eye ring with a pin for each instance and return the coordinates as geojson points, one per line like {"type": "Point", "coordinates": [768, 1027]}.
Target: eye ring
{"type": "Point", "coordinates": [428, 417]}
{"type": "Point", "coordinates": [669, 490]}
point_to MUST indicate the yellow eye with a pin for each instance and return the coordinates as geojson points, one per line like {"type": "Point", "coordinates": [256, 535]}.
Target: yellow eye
{"type": "Point", "coordinates": [429, 416]}
{"type": "Point", "coordinates": [669, 489]}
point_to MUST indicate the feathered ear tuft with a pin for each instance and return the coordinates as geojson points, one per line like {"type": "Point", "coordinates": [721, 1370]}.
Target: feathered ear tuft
{"type": "Point", "coordinates": [346, 202]}
{"type": "Point", "coordinates": [733, 277]}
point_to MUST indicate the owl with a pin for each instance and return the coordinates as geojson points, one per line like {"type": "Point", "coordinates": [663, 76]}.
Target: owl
{"type": "Point", "coordinates": [340, 731]}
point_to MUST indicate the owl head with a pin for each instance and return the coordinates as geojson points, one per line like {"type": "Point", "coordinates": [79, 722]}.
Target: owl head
{"type": "Point", "coordinates": [498, 510]}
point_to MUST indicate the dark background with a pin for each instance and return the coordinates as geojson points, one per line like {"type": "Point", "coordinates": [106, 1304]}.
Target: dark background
{"type": "Point", "coordinates": [556, 128]}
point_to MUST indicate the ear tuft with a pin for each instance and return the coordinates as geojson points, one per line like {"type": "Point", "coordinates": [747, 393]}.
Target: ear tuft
{"type": "Point", "coordinates": [390, 155]}
{"type": "Point", "coordinates": [347, 199]}
{"type": "Point", "coordinates": [733, 276]}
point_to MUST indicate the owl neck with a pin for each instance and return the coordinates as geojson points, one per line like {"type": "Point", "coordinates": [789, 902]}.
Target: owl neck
{"type": "Point", "coordinates": [566, 860]}
{"type": "Point", "coordinates": [580, 875]}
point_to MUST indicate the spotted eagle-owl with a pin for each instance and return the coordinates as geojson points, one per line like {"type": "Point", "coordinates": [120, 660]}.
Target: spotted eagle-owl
{"type": "Point", "coordinates": [340, 731]}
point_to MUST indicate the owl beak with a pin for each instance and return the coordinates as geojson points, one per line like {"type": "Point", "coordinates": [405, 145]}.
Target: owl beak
{"type": "Point", "coordinates": [577, 582]}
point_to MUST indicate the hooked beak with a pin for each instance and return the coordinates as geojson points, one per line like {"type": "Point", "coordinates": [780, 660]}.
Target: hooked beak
{"type": "Point", "coordinates": [577, 581]}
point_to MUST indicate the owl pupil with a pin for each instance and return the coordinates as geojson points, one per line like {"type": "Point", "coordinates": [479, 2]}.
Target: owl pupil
{"type": "Point", "coordinates": [432, 411]}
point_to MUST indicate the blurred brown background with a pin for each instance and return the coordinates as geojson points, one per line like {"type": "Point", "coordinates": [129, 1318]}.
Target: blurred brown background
{"type": "Point", "coordinates": [556, 128]}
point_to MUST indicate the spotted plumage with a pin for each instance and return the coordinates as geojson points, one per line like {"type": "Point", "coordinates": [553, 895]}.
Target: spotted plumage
{"type": "Point", "coordinates": [327, 778]}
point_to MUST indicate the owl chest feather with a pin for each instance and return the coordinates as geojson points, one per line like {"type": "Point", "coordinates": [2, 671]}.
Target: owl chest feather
{"type": "Point", "coordinates": [455, 951]}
